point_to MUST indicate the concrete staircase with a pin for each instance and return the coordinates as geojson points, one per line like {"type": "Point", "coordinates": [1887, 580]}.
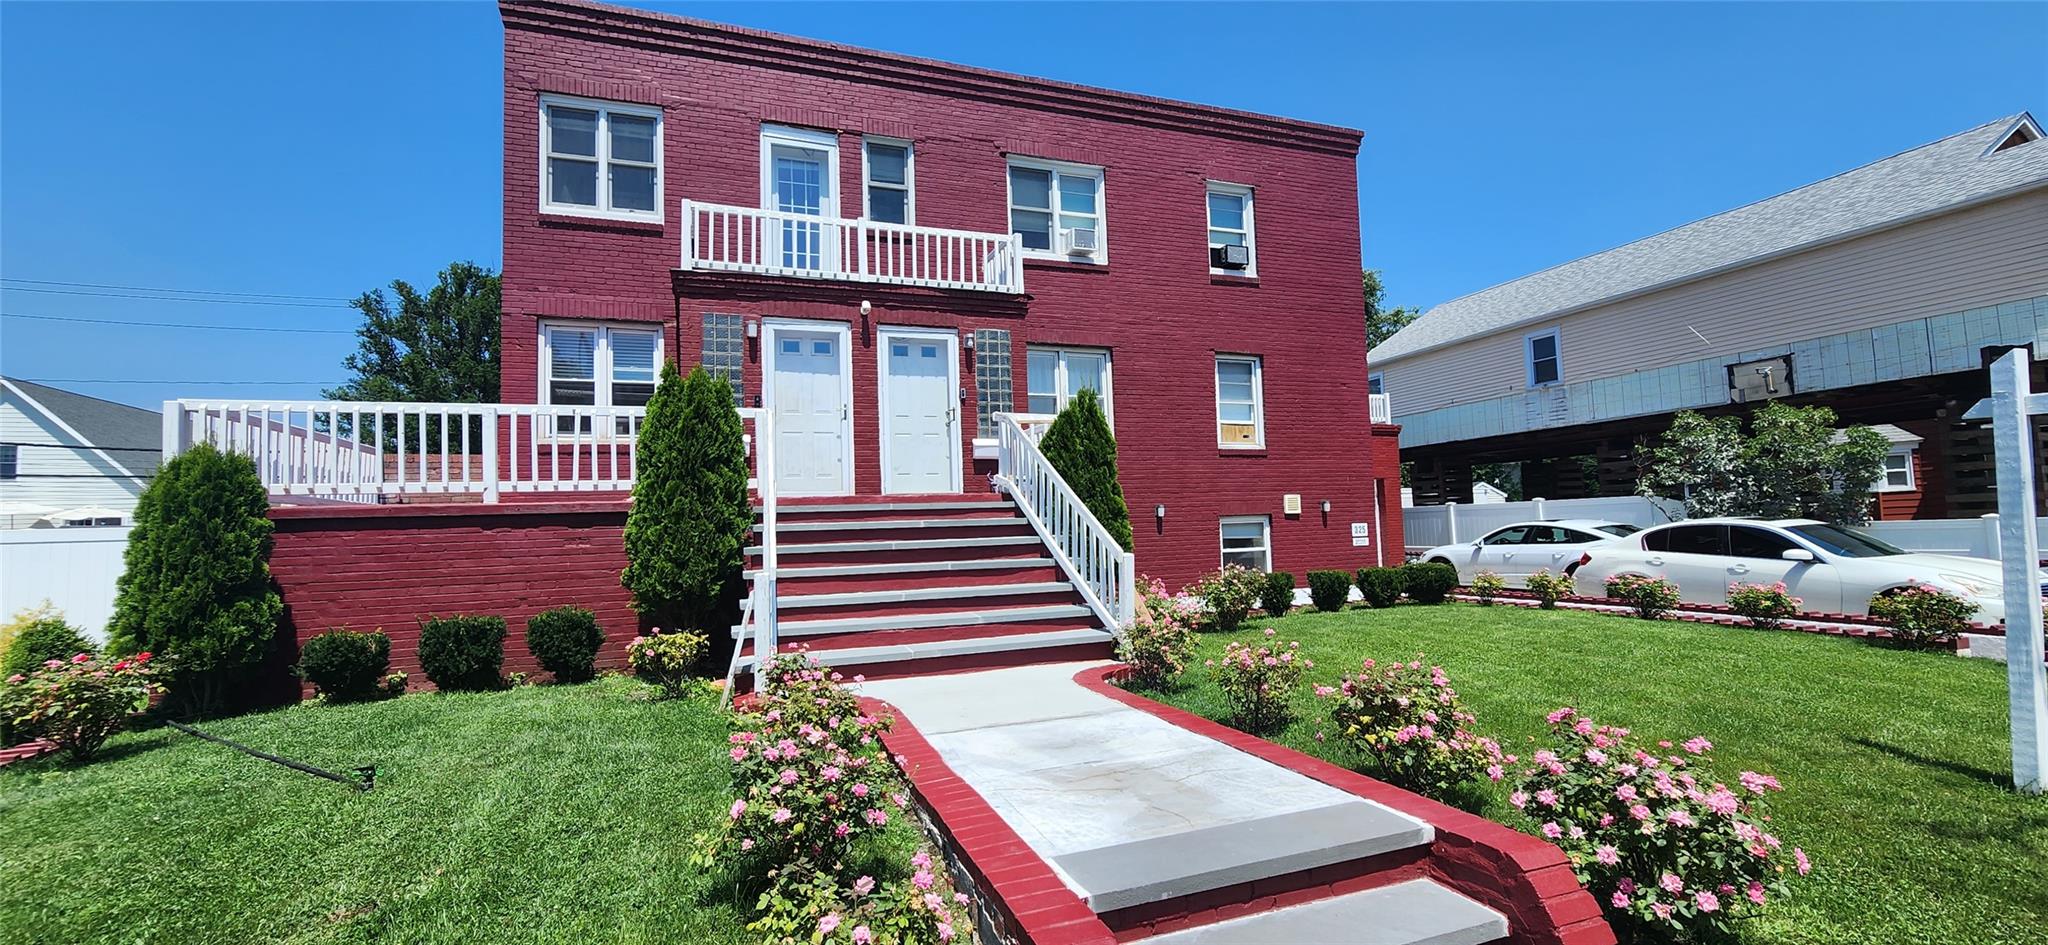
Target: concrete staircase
{"type": "Point", "coordinates": [892, 586]}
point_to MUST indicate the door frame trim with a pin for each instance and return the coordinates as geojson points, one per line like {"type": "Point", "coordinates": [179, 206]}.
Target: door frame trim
{"type": "Point", "coordinates": [952, 340]}
{"type": "Point", "coordinates": [770, 327]}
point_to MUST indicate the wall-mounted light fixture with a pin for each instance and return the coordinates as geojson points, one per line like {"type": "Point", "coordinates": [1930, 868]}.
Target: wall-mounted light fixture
{"type": "Point", "coordinates": [967, 338]}
{"type": "Point", "coordinates": [1326, 506]}
{"type": "Point", "coordinates": [753, 328]}
{"type": "Point", "coordinates": [1159, 511]}
{"type": "Point", "coordinates": [866, 306]}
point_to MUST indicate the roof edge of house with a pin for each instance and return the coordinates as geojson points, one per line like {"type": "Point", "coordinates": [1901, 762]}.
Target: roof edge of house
{"type": "Point", "coordinates": [14, 384]}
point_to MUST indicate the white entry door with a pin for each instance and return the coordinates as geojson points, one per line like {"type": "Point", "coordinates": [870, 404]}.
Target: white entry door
{"type": "Point", "coordinates": [808, 393]}
{"type": "Point", "coordinates": [920, 407]}
{"type": "Point", "coordinates": [797, 180]}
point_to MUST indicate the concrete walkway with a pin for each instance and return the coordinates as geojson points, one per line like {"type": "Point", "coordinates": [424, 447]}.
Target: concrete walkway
{"type": "Point", "coordinates": [1129, 809]}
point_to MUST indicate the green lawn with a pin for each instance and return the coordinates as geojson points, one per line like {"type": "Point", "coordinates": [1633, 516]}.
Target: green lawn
{"type": "Point", "coordinates": [1895, 764]}
{"type": "Point", "coordinates": [540, 814]}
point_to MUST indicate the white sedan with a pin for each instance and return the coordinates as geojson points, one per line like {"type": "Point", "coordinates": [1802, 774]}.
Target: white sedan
{"type": "Point", "coordinates": [1516, 551]}
{"type": "Point", "coordinates": [1830, 568]}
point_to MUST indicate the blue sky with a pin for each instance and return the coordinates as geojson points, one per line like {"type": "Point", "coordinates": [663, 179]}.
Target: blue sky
{"type": "Point", "coordinates": [319, 150]}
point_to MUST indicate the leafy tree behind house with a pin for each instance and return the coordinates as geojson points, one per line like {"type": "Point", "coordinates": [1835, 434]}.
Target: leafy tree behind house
{"type": "Point", "coordinates": [1792, 463]}
{"type": "Point", "coordinates": [1081, 446]}
{"type": "Point", "coordinates": [687, 532]}
{"type": "Point", "coordinates": [1381, 323]}
{"type": "Point", "coordinates": [438, 347]}
{"type": "Point", "coordinates": [197, 591]}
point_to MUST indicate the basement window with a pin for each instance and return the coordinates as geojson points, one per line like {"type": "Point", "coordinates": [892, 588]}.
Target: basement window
{"type": "Point", "coordinates": [1248, 541]}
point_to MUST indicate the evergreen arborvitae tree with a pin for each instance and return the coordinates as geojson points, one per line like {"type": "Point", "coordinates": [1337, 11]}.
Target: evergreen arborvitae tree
{"type": "Point", "coordinates": [687, 533]}
{"type": "Point", "coordinates": [1083, 449]}
{"type": "Point", "coordinates": [197, 591]}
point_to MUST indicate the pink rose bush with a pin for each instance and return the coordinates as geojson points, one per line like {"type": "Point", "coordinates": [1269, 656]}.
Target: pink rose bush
{"type": "Point", "coordinates": [80, 702]}
{"type": "Point", "coordinates": [1229, 594]}
{"type": "Point", "coordinates": [1923, 615]}
{"type": "Point", "coordinates": [666, 660]}
{"type": "Point", "coordinates": [1549, 588]}
{"type": "Point", "coordinates": [1260, 681]}
{"type": "Point", "coordinates": [1669, 849]}
{"type": "Point", "coordinates": [1486, 585]}
{"type": "Point", "coordinates": [811, 906]}
{"type": "Point", "coordinates": [1765, 606]}
{"type": "Point", "coordinates": [1162, 637]}
{"type": "Point", "coordinates": [1652, 598]}
{"type": "Point", "coordinates": [1410, 723]}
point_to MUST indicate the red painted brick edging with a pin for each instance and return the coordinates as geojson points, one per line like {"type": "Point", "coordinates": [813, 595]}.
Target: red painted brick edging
{"type": "Point", "coordinates": [1025, 899]}
{"type": "Point", "coordinates": [26, 750]}
{"type": "Point", "coordinates": [1524, 878]}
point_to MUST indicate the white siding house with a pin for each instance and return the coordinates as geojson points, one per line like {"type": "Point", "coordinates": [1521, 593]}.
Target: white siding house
{"type": "Point", "coordinates": [61, 451]}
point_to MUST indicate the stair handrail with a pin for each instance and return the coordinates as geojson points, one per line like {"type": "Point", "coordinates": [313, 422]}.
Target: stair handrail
{"type": "Point", "coordinates": [758, 615]}
{"type": "Point", "coordinates": [1104, 573]}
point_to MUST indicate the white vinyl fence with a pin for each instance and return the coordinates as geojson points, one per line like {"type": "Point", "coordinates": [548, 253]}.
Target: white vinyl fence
{"type": "Point", "coordinates": [1427, 526]}
{"type": "Point", "coordinates": [73, 568]}
{"type": "Point", "coordinates": [1969, 537]}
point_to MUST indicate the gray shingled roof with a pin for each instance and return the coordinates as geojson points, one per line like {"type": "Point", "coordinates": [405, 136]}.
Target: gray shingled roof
{"type": "Point", "coordinates": [1930, 178]}
{"type": "Point", "coordinates": [105, 424]}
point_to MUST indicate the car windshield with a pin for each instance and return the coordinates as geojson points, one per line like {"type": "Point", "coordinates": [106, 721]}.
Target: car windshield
{"type": "Point", "coordinates": [1844, 542]}
{"type": "Point", "coordinates": [1619, 531]}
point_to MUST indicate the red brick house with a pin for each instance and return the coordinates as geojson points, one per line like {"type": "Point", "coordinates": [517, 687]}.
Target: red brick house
{"type": "Point", "coordinates": [887, 255]}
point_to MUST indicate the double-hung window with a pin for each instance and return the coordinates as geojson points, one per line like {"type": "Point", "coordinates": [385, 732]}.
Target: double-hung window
{"type": "Point", "coordinates": [887, 174]}
{"type": "Point", "coordinates": [10, 461]}
{"type": "Point", "coordinates": [1230, 225]}
{"type": "Point", "coordinates": [600, 159]}
{"type": "Point", "coordinates": [1056, 209]}
{"type": "Point", "coordinates": [1057, 374]}
{"type": "Point", "coordinates": [591, 365]}
{"type": "Point", "coordinates": [1240, 408]}
{"type": "Point", "coordinates": [1546, 362]}
{"type": "Point", "coordinates": [1898, 472]}
{"type": "Point", "coordinates": [1248, 541]}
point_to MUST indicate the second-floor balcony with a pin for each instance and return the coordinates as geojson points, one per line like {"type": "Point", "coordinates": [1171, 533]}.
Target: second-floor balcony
{"type": "Point", "coordinates": [804, 246]}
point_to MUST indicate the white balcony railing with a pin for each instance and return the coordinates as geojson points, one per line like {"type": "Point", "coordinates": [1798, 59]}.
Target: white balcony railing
{"type": "Point", "coordinates": [770, 242]}
{"type": "Point", "coordinates": [1382, 409]}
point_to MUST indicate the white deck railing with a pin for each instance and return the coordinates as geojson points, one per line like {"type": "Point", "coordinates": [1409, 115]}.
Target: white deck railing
{"type": "Point", "coordinates": [770, 242]}
{"type": "Point", "coordinates": [1382, 409]}
{"type": "Point", "coordinates": [758, 618]}
{"type": "Point", "coordinates": [1103, 571]}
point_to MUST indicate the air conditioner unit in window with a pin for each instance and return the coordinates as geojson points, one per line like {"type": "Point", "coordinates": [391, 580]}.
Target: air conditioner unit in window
{"type": "Point", "coordinates": [1230, 257]}
{"type": "Point", "coordinates": [1078, 241]}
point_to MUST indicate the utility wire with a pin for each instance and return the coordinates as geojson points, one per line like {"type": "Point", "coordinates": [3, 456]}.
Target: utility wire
{"type": "Point", "coordinates": [133, 380]}
{"type": "Point", "coordinates": [68, 446]}
{"type": "Point", "coordinates": [173, 298]}
{"type": "Point", "coordinates": [144, 288]}
{"type": "Point", "coordinates": [113, 321]}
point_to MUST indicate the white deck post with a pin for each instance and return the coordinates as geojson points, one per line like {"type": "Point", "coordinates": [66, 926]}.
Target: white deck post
{"type": "Point", "coordinates": [1539, 509]}
{"type": "Point", "coordinates": [490, 448]}
{"type": "Point", "coordinates": [1451, 520]}
{"type": "Point", "coordinates": [2019, 549]}
{"type": "Point", "coordinates": [177, 433]}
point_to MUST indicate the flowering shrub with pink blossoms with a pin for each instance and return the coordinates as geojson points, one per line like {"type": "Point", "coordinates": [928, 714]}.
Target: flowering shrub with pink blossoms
{"type": "Point", "coordinates": [1411, 723]}
{"type": "Point", "coordinates": [1486, 585]}
{"type": "Point", "coordinates": [1765, 606]}
{"type": "Point", "coordinates": [807, 905]}
{"type": "Point", "coordinates": [78, 703]}
{"type": "Point", "coordinates": [1669, 850]}
{"type": "Point", "coordinates": [1923, 615]}
{"type": "Point", "coordinates": [1549, 588]}
{"type": "Point", "coordinates": [1162, 637]}
{"type": "Point", "coordinates": [1229, 594]}
{"type": "Point", "coordinates": [1651, 597]}
{"type": "Point", "coordinates": [1260, 681]}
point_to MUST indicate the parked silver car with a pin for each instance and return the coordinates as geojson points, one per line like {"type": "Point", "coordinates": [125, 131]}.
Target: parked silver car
{"type": "Point", "coordinates": [1516, 551]}
{"type": "Point", "coordinates": [1832, 569]}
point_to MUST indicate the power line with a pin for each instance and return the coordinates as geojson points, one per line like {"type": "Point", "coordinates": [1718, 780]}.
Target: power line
{"type": "Point", "coordinates": [144, 288]}
{"type": "Point", "coordinates": [132, 380]}
{"type": "Point", "coordinates": [69, 446]}
{"type": "Point", "coordinates": [112, 321]}
{"type": "Point", "coordinates": [173, 298]}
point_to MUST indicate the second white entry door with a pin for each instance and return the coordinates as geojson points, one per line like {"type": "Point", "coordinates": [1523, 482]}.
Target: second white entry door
{"type": "Point", "coordinates": [809, 400]}
{"type": "Point", "coordinates": [920, 401]}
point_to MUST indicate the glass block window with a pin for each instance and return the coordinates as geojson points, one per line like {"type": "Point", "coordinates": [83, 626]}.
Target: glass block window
{"type": "Point", "coordinates": [725, 352]}
{"type": "Point", "coordinates": [993, 384]}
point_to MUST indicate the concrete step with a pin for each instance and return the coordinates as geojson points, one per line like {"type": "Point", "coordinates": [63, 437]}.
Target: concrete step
{"type": "Point", "coordinates": [924, 568]}
{"type": "Point", "coordinates": [788, 602]}
{"type": "Point", "coordinates": [904, 550]}
{"type": "Point", "coordinates": [978, 652]}
{"type": "Point", "coordinates": [1415, 912]}
{"type": "Point", "coordinates": [874, 638]}
{"type": "Point", "coordinates": [935, 508]}
{"type": "Point", "coordinates": [955, 618]}
{"type": "Point", "coordinates": [907, 524]}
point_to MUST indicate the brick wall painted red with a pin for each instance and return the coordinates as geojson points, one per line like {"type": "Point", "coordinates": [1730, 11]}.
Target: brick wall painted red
{"type": "Point", "coordinates": [1155, 304]}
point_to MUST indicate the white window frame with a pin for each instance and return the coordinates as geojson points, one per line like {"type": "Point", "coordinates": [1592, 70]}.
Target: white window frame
{"type": "Point", "coordinates": [1060, 169]}
{"type": "Point", "coordinates": [10, 461]}
{"type": "Point", "coordinates": [806, 138]}
{"type": "Point", "coordinates": [909, 185]}
{"type": "Point", "coordinates": [1376, 382]}
{"type": "Point", "coordinates": [1884, 479]}
{"type": "Point", "coordinates": [1059, 376]}
{"type": "Point", "coordinates": [1258, 400]}
{"type": "Point", "coordinates": [601, 370]}
{"type": "Point", "coordinates": [604, 160]}
{"type": "Point", "coordinates": [1529, 356]}
{"type": "Point", "coordinates": [1264, 548]}
{"type": "Point", "coordinates": [1251, 242]}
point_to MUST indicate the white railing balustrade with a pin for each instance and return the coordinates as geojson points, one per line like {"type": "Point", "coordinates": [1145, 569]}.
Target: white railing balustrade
{"type": "Point", "coordinates": [1104, 572]}
{"type": "Point", "coordinates": [1382, 409]}
{"type": "Point", "coordinates": [771, 242]}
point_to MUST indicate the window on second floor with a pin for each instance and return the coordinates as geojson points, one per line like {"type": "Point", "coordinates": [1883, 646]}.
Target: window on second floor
{"type": "Point", "coordinates": [10, 461]}
{"type": "Point", "coordinates": [1057, 374]}
{"type": "Point", "coordinates": [1230, 225]}
{"type": "Point", "coordinates": [1056, 209]}
{"type": "Point", "coordinates": [600, 159]}
{"type": "Point", "coordinates": [1240, 408]}
{"type": "Point", "coordinates": [586, 364]}
{"type": "Point", "coordinates": [886, 174]}
{"type": "Point", "coordinates": [1546, 363]}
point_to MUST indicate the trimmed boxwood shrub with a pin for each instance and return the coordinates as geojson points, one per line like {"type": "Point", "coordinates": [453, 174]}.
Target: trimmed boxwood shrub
{"type": "Point", "coordinates": [346, 666]}
{"type": "Point", "coordinates": [565, 641]}
{"type": "Point", "coordinates": [466, 652]}
{"type": "Point", "coordinates": [1328, 590]}
{"type": "Point", "coordinates": [1429, 582]}
{"type": "Point", "coordinates": [1381, 587]}
{"type": "Point", "coordinates": [39, 641]}
{"type": "Point", "coordinates": [1276, 597]}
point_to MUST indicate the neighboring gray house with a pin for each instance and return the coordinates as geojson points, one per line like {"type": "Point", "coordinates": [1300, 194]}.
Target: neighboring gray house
{"type": "Point", "coordinates": [62, 451]}
{"type": "Point", "coordinates": [1881, 292]}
